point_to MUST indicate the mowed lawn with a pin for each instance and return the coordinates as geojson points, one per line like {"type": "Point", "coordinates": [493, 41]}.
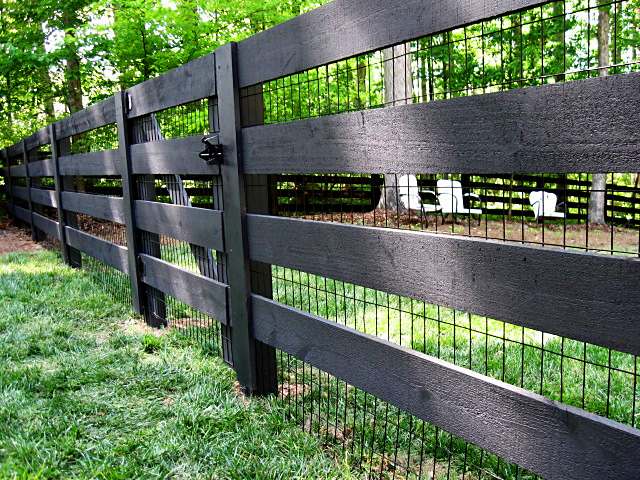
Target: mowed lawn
{"type": "Point", "coordinates": [87, 391]}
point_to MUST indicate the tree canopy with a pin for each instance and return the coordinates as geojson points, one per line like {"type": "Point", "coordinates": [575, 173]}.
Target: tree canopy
{"type": "Point", "coordinates": [59, 56]}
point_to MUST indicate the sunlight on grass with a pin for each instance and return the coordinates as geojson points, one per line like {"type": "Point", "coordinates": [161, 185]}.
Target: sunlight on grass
{"type": "Point", "coordinates": [87, 391]}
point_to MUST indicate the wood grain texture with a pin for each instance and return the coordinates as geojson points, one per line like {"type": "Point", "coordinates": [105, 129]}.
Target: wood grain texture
{"type": "Point", "coordinates": [19, 212]}
{"type": "Point", "coordinates": [107, 208]}
{"type": "Point", "coordinates": [44, 197]}
{"type": "Point", "coordinates": [551, 439]}
{"type": "Point", "coordinates": [93, 163]}
{"type": "Point", "coordinates": [202, 293]}
{"type": "Point", "coordinates": [41, 168]}
{"type": "Point", "coordinates": [14, 150]}
{"type": "Point", "coordinates": [107, 252]}
{"type": "Point", "coordinates": [583, 296]}
{"type": "Point", "coordinates": [344, 28]}
{"type": "Point", "coordinates": [18, 170]}
{"type": "Point", "coordinates": [20, 192]}
{"type": "Point", "coordinates": [95, 116]}
{"type": "Point", "coordinates": [584, 126]}
{"type": "Point", "coordinates": [197, 226]}
{"type": "Point", "coordinates": [192, 81]}
{"type": "Point", "coordinates": [48, 226]}
{"type": "Point", "coordinates": [37, 139]}
{"type": "Point", "coordinates": [174, 156]}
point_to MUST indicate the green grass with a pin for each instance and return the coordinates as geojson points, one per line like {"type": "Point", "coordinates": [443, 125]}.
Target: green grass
{"type": "Point", "coordinates": [87, 392]}
{"type": "Point", "coordinates": [587, 376]}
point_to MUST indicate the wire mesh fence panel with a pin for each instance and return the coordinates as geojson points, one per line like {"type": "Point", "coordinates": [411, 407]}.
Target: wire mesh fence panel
{"type": "Point", "coordinates": [552, 43]}
{"type": "Point", "coordinates": [544, 210]}
{"type": "Point", "coordinates": [376, 438]}
{"type": "Point", "coordinates": [204, 330]}
{"type": "Point", "coordinates": [600, 380]}
{"type": "Point", "coordinates": [114, 283]}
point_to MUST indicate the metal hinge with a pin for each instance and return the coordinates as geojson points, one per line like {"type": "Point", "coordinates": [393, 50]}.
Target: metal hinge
{"type": "Point", "coordinates": [212, 154]}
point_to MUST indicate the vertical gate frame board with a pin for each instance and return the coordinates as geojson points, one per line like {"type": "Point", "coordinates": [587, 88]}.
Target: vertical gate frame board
{"type": "Point", "coordinates": [244, 358]}
{"type": "Point", "coordinates": [128, 196]}
{"type": "Point", "coordinates": [55, 155]}
{"type": "Point", "coordinates": [25, 160]}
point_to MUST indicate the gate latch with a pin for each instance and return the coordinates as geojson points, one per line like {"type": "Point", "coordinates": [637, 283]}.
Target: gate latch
{"type": "Point", "coordinates": [212, 154]}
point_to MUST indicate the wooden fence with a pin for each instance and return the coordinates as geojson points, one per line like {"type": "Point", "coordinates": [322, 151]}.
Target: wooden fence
{"type": "Point", "coordinates": [548, 129]}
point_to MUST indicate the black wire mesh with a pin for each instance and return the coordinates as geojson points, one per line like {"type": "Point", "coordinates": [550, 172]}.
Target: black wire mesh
{"type": "Point", "coordinates": [551, 43]}
{"type": "Point", "coordinates": [377, 439]}
{"type": "Point", "coordinates": [206, 331]}
{"type": "Point", "coordinates": [556, 42]}
{"type": "Point", "coordinates": [176, 122]}
{"type": "Point", "coordinates": [544, 210]}
{"type": "Point", "coordinates": [115, 283]}
{"type": "Point", "coordinates": [98, 139]}
{"type": "Point", "coordinates": [384, 441]}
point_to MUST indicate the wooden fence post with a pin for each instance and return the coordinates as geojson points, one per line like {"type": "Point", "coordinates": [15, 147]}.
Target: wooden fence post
{"type": "Point", "coordinates": [70, 218]}
{"type": "Point", "coordinates": [55, 155]}
{"type": "Point", "coordinates": [250, 358]}
{"type": "Point", "coordinates": [128, 185]}
{"type": "Point", "coordinates": [4, 159]}
{"type": "Point", "coordinates": [25, 159]}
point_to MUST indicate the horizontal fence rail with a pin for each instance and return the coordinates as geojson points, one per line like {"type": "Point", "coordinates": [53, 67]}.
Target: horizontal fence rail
{"type": "Point", "coordinates": [541, 435]}
{"type": "Point", "coordinates": [206, 236]}
{"type": "Point", "coordinates": [529, 286]}
{"type": "Point", "coordinates": [545, 129]}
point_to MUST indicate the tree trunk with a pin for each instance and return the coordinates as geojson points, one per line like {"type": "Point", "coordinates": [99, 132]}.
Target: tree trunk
{"type": "Point", "coordinates": [599, 180]}
{"type": "Point", "coordinates": [398, 90]}
{"type": "Point", "coordinates": [510, 209]}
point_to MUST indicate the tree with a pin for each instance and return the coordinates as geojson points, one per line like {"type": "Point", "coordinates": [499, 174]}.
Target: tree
{"type": "Point", "coordinates": [599, 180]}
{"type": "Point", "coordinates": [398, 90]}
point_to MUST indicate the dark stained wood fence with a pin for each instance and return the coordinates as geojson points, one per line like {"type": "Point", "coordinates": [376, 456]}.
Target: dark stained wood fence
{"type": "Point", "coordinates": [549, 129]}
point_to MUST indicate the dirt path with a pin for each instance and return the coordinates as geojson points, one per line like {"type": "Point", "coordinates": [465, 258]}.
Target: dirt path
{"type": "Point", "coordinates": [14, 239]}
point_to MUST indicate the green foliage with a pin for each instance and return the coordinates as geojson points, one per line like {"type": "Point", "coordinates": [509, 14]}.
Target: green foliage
{"type": "Point", "coordinates": [117, 43]}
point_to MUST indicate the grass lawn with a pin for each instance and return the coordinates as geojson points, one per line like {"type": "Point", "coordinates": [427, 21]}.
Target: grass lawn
{"type": "Point", "coordinates": [86, 391]}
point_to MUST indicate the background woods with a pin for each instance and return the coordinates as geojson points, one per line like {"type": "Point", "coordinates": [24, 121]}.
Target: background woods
{"type": "Point", "coordinates": [57, 57]}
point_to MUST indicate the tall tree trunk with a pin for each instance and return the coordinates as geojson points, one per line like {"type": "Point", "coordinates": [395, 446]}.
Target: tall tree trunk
{"type": "Point", "coordinates": [47, 84]}
{"type": "Point", "coordinates": [599, 180]}
{"type": "Point", "coordinates": [73, 79]}
{"type": "Point", "coordinates": [362, 81]}
{"type": "Point", "coordinates": [398, 90]}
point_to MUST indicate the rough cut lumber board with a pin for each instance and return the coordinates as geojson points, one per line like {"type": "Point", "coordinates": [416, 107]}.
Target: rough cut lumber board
{"type": "Point", "coordinates": [107, 208]}
{"type": "Point", "coordinates": [551, 439]}
{"type": "Point", "coordinates": [202, 293]}
{"type": "Point", "coordinates": [37, 139]}
{"type": "Point", "coordinates": [18, 170]}
{"type": "Point", "coordinates": [344, 28]}
{"type": "Point", "coordinates": [14, 150]}
{"type": "Point", "coordinates": [107, 252]}
{"type": "Point", "coordinates": [48, 226]}
{"type": "Point", "coordinates": [198, 226]}
{"type": "Point", "coordinates": [22, 213]}
{"type": "Point", "coordinates": [176, 156]}
{"type": "Point", "coordinates": [585, 126]}
{"type": "Point", "coordinates": [93, 163]}
{"type": "Point", "coordinates": [192, 81]}
{"type": "Point", "coordinates": [41, 168]}
{"type": "Point", "coordinates": [44, 197]}
{"type": "Point", "coordinates": [95, 116]}
{"type": "Point", "coordinates": [20, 192]}
{"type": "Point", "coordinates": [584, 296]}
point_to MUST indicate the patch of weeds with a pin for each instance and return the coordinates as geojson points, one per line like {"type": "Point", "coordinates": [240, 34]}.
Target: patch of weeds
{"type": "Point", "coordinates": [152, 343]}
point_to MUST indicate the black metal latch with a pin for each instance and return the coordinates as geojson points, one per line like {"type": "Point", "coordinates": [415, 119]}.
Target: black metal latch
{"type": "Point", "coordinates": [212, 154]}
